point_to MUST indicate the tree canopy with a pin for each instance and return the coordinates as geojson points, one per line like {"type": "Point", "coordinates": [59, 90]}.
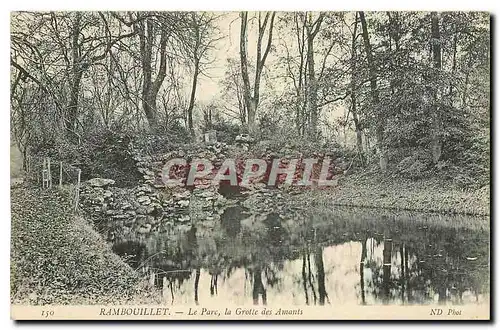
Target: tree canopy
{"type": "Point", "coordinates": [404, 90]}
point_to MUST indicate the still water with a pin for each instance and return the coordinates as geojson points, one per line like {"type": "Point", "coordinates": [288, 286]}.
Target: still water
{"type": "Point", "coordinates": [316, 257]}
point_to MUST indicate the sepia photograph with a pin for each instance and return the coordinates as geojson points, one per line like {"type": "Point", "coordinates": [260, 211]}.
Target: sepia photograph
{"type": "Point", "coordinates": [270, 165]}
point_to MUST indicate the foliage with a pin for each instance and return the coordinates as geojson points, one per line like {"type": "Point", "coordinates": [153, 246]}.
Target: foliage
{"type": "Point", "coordinates": [226, 131]}
{"type": "Point", "coordinates": [410, 82]}
{"type": "Point", "coordinates": [415, 166]}
{"type": "Point", "coordinates": [56, 258]}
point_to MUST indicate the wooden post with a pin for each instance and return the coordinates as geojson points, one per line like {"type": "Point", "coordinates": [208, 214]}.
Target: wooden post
{"type": "Point", "coordinates": [49, 183]}
{"type": "Point", "coordinates": [37, 177]}
{"type": "Point", "coordinates": [43, 176]}
{"type": "Point", "coordinates": [60, 174]}
{"type": "Point", "coordinates": [44, 173]}
{"type": "Point", "coordinates": [77, 195]}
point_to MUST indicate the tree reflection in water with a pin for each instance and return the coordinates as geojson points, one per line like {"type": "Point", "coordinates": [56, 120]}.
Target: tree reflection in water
{"type": "Point", "coordinates": [315, 258]}
{"type": "Point", "coordinates": [362, 268]}
{"type": "Point", "coordinates": [258, 287]}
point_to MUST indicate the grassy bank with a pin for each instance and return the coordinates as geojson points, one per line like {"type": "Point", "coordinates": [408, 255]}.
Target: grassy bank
{"type": "Point", "coordinates": [57, 258]}
{"type": "Point", "coordinates": [387, 192]}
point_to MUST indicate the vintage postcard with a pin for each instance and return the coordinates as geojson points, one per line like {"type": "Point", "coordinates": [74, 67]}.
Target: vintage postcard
{"type": "Point", "coordinates": [170, 165]}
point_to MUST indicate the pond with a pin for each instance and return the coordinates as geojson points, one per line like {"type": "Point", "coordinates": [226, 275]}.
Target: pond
{"type": "Point", "coordinates": [323, 256]}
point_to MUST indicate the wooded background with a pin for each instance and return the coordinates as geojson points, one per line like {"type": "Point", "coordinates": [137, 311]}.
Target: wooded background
{"type": "Point", "coordinates": [405, 91]}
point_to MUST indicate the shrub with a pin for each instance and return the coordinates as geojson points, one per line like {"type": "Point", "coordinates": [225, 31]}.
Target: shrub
{"type": "Point", "coordinates": [415, 166]}
{"type": "Point", "coordinates": [226, 131]}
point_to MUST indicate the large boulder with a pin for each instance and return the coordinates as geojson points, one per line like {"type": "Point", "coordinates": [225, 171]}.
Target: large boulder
{"type": "Point", "coordinates": [100, 182]}
{"type": "Point", "coordinates": [144, 200]}
{"type": "Point", "coordinates": [244, 138]}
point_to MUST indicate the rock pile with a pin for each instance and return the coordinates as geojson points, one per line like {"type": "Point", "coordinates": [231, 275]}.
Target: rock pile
{"type": "Point", "coordinates": [151, 167]}
{"type": "Point", "coordinates": [137, 209]}
{"type": "Point", "coordinates": [152, 207]}
{"type": "Point", "coordinates": [244, 141]}
{"type": "Point", "coordinates": [143, 209]}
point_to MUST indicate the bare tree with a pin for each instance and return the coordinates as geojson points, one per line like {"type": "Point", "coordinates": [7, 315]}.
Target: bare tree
{"type": "Point", "coordinates": [232, 93]}
{"type": "Point", "coordinates": [147, 29]}
{"type": "Point", "coordinates": [203, 37]}
{"type": "Point", "coordinates": [79, 47]}
{"type": "Point", "coordinates": [380, 121]}
{"type": "Point", "coordinates": [312, 29]}
{"type": "Point", "coordinates": [252, 99]}
{"type": "Point", "coordinates": [436, 56]}
{"type": "Point", "coordinates": [354, 111]}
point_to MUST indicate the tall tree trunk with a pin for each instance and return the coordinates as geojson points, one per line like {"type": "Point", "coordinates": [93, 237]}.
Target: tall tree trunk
{"type": "Point", "coordinates": [454, 60]}
{"type": "Point", "coordinates": [468, 70]}
{"type": "Point", "coordinates": [436, 145]}
{"type": "Point", "coordinates": [380, 120]}
{"type": "Point", "coordinates": [251, 111]}
{"type": "Point", "coordinates": [299, 81]}
{"type": "Point", "coordinates": [247, 94]}
{"type": "Point", "coordinates": [149, 107]}
{"type": "Point", "coordinates": [146, 47]}
{"type": "Point", "coordinates": [355, 118]}
{"type": "Point", "coordinates": [193, 97]}
{"type": "Point", "coordinates": [302, 80]}
{"type": "Point", "coordinates": [252, 100]}
{"type": "Point", "coordinates": [312, 91]}
{"type": "Point", "coordinates": [151, 88]}
{"type": "Point", "coordinates": [76, 75]}
{"type": "Point", "coordinates": [312, 29]}
{"type": "Point", "coordinates": [73, 101]}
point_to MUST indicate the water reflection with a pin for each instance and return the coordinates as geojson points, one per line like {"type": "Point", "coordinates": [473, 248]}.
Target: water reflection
{"type": "Point", "coordinates": [329, 257]}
